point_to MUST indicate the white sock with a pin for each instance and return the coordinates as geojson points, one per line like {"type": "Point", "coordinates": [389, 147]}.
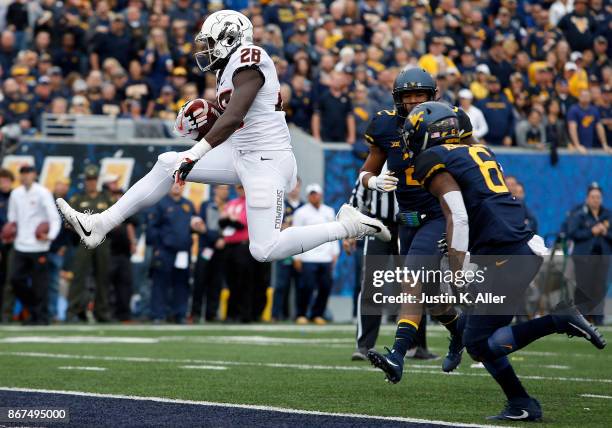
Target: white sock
{"type": "Point", "coordinates": [144, 193]}
{"type": "Point", "coordinates": [296, 240]}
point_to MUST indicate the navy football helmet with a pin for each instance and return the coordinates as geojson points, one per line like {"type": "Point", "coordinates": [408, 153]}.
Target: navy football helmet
{"type": "Point", "coordinates": [413, 79]}
{"type": "Point", "coordinates": [430, 124]}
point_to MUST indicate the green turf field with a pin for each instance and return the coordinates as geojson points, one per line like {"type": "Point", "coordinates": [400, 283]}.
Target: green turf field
{"type": "Point", "coordinates": [302, 368]}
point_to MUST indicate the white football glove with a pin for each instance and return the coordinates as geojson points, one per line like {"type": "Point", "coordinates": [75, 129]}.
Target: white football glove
{"type": "Point", "coordinates": [187, 126]}
{"type": "Point", "coordinates": [384, 182]}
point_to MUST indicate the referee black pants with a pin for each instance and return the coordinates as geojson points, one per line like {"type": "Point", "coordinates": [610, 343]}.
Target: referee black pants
{"type": "Point", "coordinates": [369, 325]}
{"type": "Point", "coordinates": [30, 279]}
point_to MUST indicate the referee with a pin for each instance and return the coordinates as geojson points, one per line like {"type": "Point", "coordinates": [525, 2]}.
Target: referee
{"type": "Point", "coordinates": [384, 207]}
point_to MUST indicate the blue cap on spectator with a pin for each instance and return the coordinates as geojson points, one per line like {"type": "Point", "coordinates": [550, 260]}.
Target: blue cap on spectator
{"type": "Point", "coordinates": [44, 80]}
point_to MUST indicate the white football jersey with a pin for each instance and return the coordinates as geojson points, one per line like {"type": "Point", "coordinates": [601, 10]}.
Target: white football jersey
{"type": "Point", "coordinates": [264, 126]}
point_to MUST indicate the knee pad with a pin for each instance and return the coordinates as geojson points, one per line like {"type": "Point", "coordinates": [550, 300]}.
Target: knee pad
{"type": "Point", "coordinates": [261, 195]}
{"type": "Point", "coordinates": [167, 161]}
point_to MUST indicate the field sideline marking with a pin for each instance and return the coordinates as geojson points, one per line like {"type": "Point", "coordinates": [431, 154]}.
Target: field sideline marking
{"type": "Point", "coordinates": [202, 367]}
{"type": "Point", "coordinates": [87, 368]}
{"type": "Point", "coordinates": [412, 369]}
{"type": "Point", "coordinates": [244, 406]}
{"type": "Point", "coordinates": [596, 396]}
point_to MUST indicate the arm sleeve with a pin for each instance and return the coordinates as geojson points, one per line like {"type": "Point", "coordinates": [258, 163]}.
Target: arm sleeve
{"type": "Point", "coordinates": [55, 222]}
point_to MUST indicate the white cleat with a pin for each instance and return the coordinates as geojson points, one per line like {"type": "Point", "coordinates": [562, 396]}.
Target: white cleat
{"type": "Point", "coordinates": [359, 225]}
{"type": "Point", "coordinates": [86, 225]}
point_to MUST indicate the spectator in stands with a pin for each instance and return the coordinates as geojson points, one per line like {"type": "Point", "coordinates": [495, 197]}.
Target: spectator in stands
{"type": "Point", "coordinates": [558, 10]}
{"type": "Point", "coordinates": [556, 128]}
{"type": "Point", "coordinates": [42, 100]}
{"type": "Point", "coordinates": [114, 43]}
{"type": "Point", "coordinates": [579, 27]}
{"type": "Point", "coordinates": [6, 185]}
{"type": "Point", "coordinates": [170, 225]}
{"type": "Point", "coordinates": [589, 229]}
{"type": "Point", "coordinates": [30, 207]}
{"type": "Point", "coordinates": [479, 124]}
{"type": "Point", "coordinates": [209, 270]}
{"type": "Point", "coordinates": [498, 63]}
{"type": "Point", "coordinates": [315, 265]}
{"type": "Point", "coordinates": [364, 110]}
{"type": "Point", "coordinates": [531, 132]}
{"type": "Point", "coordinates": [108, 104]}
{"type": "Point", "coordinates": [300, 106]}
{"type": "Point", "coordinates": [8, 50]}
{"type": "Point", "coordinates": [435, 62]}
{"type": "Point", "coordinates": [157, 60]}
{"type": "Point", "coordinates": [497, 110]}
{"type": "Point", "coordinates": [165, 107]}
{"type": "Point", "coordinates": [67, 57]}
{"type": "Point", "coordinates": [584, 122]}
{"type": "Point", "coordinates": [333, 118]}
{"type": "Point", "coordinates": [138, 87]}
{"type": "Point", "coordinates": [286, 274]}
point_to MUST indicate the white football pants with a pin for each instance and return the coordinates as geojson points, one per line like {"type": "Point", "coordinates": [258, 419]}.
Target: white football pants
{"type": "Point", "coordinates": [266, 176]}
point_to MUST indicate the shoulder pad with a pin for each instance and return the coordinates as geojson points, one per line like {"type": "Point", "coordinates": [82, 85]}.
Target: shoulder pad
{"type": "Point", "coordinates": [383, 122]}
{"type": "Point", "coordinates": [427, 164]}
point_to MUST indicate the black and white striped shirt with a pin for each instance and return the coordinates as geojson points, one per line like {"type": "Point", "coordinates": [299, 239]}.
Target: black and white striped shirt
{"type": "Point", "coordinates": [374, 203]}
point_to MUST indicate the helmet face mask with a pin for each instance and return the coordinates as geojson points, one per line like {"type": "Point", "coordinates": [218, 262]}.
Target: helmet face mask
{"type": "Point", "coordinates": [222, 33]}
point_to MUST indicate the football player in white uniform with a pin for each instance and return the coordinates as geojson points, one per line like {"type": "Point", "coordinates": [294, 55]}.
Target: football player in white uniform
{"type": "Point", "coordinates": [249, 144]}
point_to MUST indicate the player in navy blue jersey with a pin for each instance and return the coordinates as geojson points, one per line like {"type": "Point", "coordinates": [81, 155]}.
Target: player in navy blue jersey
{"type": "Point", "coordinates": [420, 217]}
{"type": "Point", "coordinates": [483, 218]}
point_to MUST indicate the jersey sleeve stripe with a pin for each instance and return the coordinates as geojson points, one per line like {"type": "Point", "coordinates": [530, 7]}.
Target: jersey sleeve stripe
{"type": "Point", "coordinates": [431, 171]}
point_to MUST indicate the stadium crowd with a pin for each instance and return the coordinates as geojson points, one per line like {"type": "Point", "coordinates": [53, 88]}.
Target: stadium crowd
{"type": "Point", "coordinates": [532, 73]}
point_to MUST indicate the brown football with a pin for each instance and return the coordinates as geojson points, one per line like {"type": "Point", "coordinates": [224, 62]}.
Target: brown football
{"type": "Point", "coordinates": [210, 110]}
{"type": "Point", "coordinates": [42, 230]}
{"type": "Point", "coordinates": [9, 232]}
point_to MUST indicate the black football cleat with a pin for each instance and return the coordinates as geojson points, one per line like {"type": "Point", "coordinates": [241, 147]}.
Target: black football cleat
{"type": "Point", "coordinates": [455, 352]}
{"type": "Point", "coordinates": [570, 321]}
{"type": "Point", "coordinates": [390, 364]}
{"type": "Point", "coordinates": [520, 409]}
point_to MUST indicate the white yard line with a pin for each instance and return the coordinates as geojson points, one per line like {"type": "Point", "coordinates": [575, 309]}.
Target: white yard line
{"type": "Point", "coordinates": [79, 339]}
{"type": "Point", "coordinates": [202, 367]}
{"type": "Point", "coordinates": [246, 406]}
{"type": "Point", "coordinates": [608, 397]}
{"type": "Point", "coordinates": [86, 368]}
{"type": "Point", "coordinates": [411, 369]}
